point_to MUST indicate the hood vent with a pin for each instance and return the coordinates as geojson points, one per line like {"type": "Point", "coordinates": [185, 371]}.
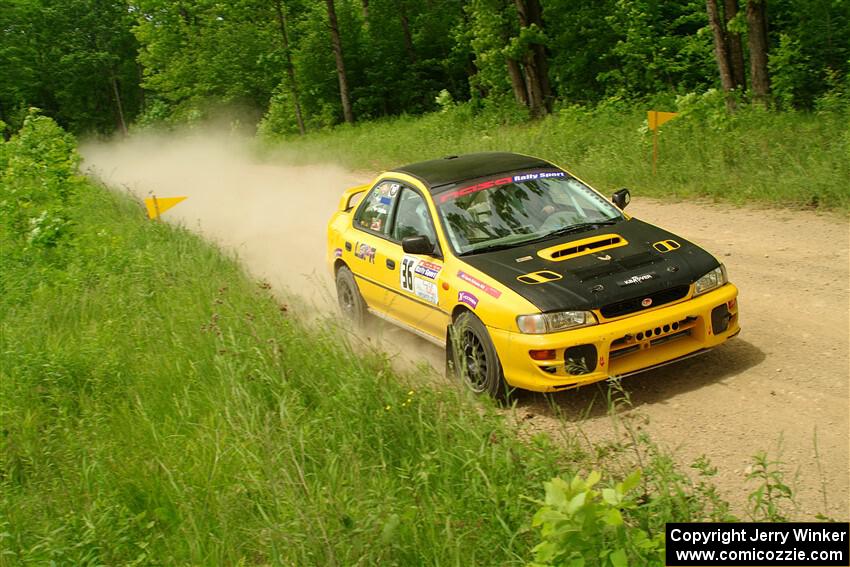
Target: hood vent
{"type": "Point", "coordinates": [666, 245]}
{"type": "Point", "coordinates": [542, 276]}
{"type": "Point", "coordinates": [578, 248]}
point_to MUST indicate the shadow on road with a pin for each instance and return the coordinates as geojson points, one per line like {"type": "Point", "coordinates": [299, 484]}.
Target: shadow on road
{"type": "Point", "coordinates": [719, 366]}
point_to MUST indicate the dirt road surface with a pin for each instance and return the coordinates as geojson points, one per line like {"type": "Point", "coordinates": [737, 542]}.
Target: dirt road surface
{"type": "Point", "coordinates": [781, 387]}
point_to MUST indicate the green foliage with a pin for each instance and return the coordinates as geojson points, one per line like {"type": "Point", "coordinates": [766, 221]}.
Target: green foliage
{"type": "Point", "coordinates": [37, 182]}
{"type": "Point", "coordinates": [791, 159]}
{"type": "Point", "coordinates": [582, 526]}
{"type": "Point", "coordinates": [70, 59]}
{"type": "Point", "coordinates": [789, 72]}
{"type": "Point", "coordinates": [772, 494]}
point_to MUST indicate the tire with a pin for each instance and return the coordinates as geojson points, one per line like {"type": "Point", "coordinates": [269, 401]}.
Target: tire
{"type": "Point", "coordinates": [471, 356]}
{"type": "Point", "coordinates": [348, 296]}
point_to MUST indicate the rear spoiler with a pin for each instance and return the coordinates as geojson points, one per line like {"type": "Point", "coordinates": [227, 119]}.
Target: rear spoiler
{"type": "Point", "coordinates": [345, 204]}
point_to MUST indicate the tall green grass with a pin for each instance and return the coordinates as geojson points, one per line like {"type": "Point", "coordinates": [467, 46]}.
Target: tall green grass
{"type": "Point", "coordinates": [787, 159]}
{"type": "Point", "coordinates": [158, 407]}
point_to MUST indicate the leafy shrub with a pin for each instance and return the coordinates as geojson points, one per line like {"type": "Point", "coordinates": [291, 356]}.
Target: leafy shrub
{"type": "Point", "coordinates": [38, 178]}
{"type": "Point", "coordinates": [581, 525]}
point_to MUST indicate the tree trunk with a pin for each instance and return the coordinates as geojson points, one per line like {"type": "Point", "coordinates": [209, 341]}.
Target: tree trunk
{"type": "Point", "coordinates": [290, 68]}
{"type": "Point", "coordinates": [365, 13]}
{"type": "Point", "coordinates": [721, 53]}
{"type": "Point", "coordinates": [757, 42]}
{"type": "Point", "coordinates": [515, 72]}
{"type": "Point", "coordinates": [736, 50]}
{"type": "Point", "coordinates": [118, 106]}
{"type": "Point", "coordinates": [536, 64]}
{"type": "Point", "coordinates": [340, 64]}
{"type": "Point", "coordinates": [405, 26]}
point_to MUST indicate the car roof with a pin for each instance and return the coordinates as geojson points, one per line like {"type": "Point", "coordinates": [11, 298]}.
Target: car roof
{"type": "Point", "coordinates": [437, 174]}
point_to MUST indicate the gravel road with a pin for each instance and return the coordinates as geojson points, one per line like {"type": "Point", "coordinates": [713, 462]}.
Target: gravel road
{"type": "Point", "coordinates": [782, 386]}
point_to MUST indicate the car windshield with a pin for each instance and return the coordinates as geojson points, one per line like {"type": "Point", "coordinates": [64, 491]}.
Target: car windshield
{"type": "Point", "coordinates": [518, 208]}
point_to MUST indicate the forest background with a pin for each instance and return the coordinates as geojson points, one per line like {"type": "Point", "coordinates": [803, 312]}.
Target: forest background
{"type": "Point", "coordinates": [295, 66]}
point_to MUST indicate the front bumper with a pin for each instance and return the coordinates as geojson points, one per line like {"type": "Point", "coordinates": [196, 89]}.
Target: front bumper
{"type": "Point", "coordinates": [617, 348]}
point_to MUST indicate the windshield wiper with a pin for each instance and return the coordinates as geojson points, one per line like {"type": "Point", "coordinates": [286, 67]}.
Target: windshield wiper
{"type": "Point", "coordinates": [575, 228]}
{"type": "Point", "coordinates": [491, 248]}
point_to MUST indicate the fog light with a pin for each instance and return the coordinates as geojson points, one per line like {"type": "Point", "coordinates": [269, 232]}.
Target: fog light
{"type": "Point", "coordinates": [548, 354]}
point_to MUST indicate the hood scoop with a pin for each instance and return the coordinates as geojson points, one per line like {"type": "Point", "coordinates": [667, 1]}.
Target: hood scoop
{"type": "Point", "coordinates": [576, 248]}
{"type": "Point", "coordinates": [543, 276]}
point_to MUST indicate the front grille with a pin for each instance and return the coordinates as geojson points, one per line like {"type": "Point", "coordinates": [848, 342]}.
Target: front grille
{"type": "Point", "coordinates": [633, 304]}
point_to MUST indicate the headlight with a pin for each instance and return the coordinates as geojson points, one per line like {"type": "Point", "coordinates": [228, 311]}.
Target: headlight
{"type": "Point", "coordinates": [541, 323]}
{"type": "Point", "coordinates": [715, 278]}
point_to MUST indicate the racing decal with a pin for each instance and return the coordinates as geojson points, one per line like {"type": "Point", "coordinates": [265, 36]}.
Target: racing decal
{"type": "Point", "coordinates": [474, 188]}
{"type": "Point", "coordinates": [468, 298]}
{"type": "Point", "coordinates": [427, 269]}
{"type": "Point", "coordinates": [496, 182]}
{"type": "Point", "coordinates": [425, 289]}
{"type": "Point", "coordinates": [337, 252]}
{"type": "Point", "coordinates": [365, 252]}
{"type": "Point", "coordinates": [524, 259]}
{"type": "Point", "coordinates": [540, 175]}
{"type": "Point", "coordinates": [408, 264]}
{"type": "Point", "coordinates": [479, 284]}
{"type": "Point", "coordinates": [416, 277]}
{"type": "Point", "coordinates": [394, 189]}
{"type": "Point", "coordinates": [637, 279]}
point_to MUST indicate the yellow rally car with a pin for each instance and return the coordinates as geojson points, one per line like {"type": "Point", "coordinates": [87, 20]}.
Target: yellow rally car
{"type": "Point", "coordinates": [529, 277]}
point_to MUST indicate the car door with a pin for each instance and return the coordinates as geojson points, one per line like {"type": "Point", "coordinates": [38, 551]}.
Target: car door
{"type": "Point", "coordinates": [416, 281]}
{"type": "Point", "coordinates": [372, 262]}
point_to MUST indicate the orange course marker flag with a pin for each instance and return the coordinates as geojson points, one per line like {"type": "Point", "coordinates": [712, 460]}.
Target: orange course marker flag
{"type": "Point", "coordinates": [158, 205]}
{"type": "Point", "coordinates": [656, 118]}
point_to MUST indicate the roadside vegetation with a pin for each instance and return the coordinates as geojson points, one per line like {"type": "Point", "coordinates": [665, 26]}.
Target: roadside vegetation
{"type": "Point", "coordinates": [788, 159]}
{"type": "Point", "coordinates": [160, 407]}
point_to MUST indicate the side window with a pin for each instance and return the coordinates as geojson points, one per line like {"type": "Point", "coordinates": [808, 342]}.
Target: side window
{"type": "Point", "coordinates": [412, 217]}
{"type": "Point", "coordinates": [374, 212]}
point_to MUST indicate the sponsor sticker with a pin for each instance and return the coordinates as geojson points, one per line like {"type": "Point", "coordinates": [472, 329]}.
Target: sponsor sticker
{"type": "Point", "coordinates": [427, 269]}
{"type": "Point", "coordinates": [524, 259]}
{"type": "Point", "coordinates": [416, 276]}
{"type": "Point", "coordinates": [538, 175]}
{"type": "Point", "coordinates": [386, 200]}
{"type": "Point", "coordinates": [365, 252]}
{"type": "Point", "coordinates": [638, 279]}
{"type": "Point", "coordinates": [337, 252]}
{"type": "Point", "coordinates": [479, 284]}
{"type": "Point", "coordinates": [425, 289]}
{"type": "Point", "coordinates": [394, 189]}
{"type": "Point", "coordinates": [467, 298]}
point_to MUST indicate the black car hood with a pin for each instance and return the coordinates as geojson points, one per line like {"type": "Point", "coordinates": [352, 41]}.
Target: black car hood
{"type": "Point", "coordinates": [604, 278]}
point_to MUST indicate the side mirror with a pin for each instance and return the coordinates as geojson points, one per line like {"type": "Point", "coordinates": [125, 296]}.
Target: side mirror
{"type": "Point", "coordinates": [621, 198]}
{"type": "Point", "coordinates": [417, 245]}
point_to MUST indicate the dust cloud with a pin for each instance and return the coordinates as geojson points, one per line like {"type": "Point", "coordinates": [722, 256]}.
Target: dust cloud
{"type": "Point", "coordinates": [273, 217]}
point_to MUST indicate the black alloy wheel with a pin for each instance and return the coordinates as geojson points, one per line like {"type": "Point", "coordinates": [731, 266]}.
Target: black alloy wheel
{"type": "Point", "coordinates": [348, 295]}
{"type": "Point", "coordinates": [474, 358]}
